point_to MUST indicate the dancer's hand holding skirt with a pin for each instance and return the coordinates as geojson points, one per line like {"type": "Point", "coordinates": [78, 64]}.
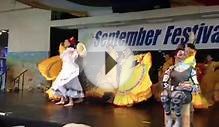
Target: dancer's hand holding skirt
{"type": "Point", "coordinates": [50, 68]}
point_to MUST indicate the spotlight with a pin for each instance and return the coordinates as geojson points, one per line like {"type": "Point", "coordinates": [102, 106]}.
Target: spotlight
{"type": "Point", "coordinates": [3, 31]}
{"type": "Point", "coordinates": [0, 32]}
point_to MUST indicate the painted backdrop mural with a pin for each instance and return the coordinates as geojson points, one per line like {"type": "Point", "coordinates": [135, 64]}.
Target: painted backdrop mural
{"type": "Point", "coordinates": [19, 62]}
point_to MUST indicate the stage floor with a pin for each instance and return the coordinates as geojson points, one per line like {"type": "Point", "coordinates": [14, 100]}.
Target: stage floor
{"type": "Point", "coordinates": [33, 106]}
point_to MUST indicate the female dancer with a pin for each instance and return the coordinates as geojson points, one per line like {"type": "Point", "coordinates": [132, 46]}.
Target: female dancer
{"type": "Point", "coordinates": [67, 84]}
{"type": "Point", "coordinates": [138, 86]}
{"type": "Point", "coordinates": [179, 82]}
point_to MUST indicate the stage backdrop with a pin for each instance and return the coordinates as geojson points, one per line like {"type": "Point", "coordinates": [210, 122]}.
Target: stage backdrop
{"type": "Point", "coordinates": [159, 36]}
{"type": "Point", "coordinates": [18, 62]}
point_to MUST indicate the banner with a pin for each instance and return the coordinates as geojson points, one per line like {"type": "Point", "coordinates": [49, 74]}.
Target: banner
{"type": "Point", "coordinates": [162, 36]}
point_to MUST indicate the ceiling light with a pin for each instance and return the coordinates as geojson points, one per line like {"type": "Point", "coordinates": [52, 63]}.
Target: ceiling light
{"type": "Point", "coordinates": [3, 31]}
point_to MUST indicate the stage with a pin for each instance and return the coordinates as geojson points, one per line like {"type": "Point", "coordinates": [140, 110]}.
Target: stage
{"type": "Point", "coordinates": [33, 110]}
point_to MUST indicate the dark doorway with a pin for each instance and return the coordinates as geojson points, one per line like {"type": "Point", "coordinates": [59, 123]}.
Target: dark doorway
{"type": "Point", "coordinates": [58, 35]}
{"type": "Point", "coordinates": [3, 38]}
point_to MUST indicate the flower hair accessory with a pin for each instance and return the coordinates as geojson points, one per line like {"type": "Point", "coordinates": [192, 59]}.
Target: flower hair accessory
{"type": "Point", "coordinates": [72, 41]}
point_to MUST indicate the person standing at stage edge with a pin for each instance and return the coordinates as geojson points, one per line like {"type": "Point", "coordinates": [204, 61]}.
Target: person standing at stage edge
{"type": "Point", "coordinates": [179, 82]}
{"type": "Point", "coordinates": [67, 84]}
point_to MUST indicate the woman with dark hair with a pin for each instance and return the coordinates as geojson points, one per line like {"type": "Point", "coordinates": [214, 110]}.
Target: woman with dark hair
{"type": "Point", "coordinates": [179, 82]}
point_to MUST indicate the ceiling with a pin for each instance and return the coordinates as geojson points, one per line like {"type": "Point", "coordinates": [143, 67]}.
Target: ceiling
{"type": "Point", "coordinates": [95, 3]}
{"type": "Point", "coordinates": [83, 7]}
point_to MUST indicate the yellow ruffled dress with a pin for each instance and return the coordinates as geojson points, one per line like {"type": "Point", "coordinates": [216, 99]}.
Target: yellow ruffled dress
{"type": "Point", "coordinates": [198, 100]}
{"type": "Point", "coordinates": [50, 68]}
{"type": "Point", "coordinates": [138, 87]}
{"type": "Point", "coordinates": [210, 82]}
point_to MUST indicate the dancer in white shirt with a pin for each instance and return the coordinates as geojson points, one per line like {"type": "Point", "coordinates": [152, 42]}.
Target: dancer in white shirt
{"type": "Point", "coordinates": [67, 84]}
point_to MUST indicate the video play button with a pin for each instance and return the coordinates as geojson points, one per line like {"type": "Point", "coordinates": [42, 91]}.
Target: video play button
{"type": "Point", "coordinates": [108, 64]}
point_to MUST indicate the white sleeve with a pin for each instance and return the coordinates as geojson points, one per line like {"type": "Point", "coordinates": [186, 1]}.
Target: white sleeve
{"type": "Point", "coordinates": [195, 82]}
{"type": "Point", "coordinates": [166, 77]}
{"type": "Point", "coordinates": [66, 51]}
{"type": "Point", "coordinates": [194, 77]}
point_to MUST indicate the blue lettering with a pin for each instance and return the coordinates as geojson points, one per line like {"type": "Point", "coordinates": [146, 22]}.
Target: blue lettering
{"type": "Point", "coordinates": [117, 34]}
{"type": "Point", "coordinates": [206, 33]}
{"type": "Point", "coordinates": [168, 34]}
{"type": "Point", "coordinates": [149, 37]}
{"type": "Point", "coordinates": [175, 38]}
{"type": "Point", "coordinates": [200, 30]}
{"type": "Point", "coordinates": [131, 38]}
{"type": "Point", "coordinates": [98, 34]}
{"type": "Point", "coordinates": [186, 35]}
{"type": "Point", "coordinates": [122, 36]}
{"type": "Point", "coordinates": [195, 29]}
{"type": "Point", "coordinates": [141, 36]}
{"type": "Point", "coordinates": [97, 37]}
{"type": "Point", "coordinates": [104, 40]}
{"type": "Point", "coordinates": [215, 36]}
{"type": "Point", "coordinates": [157, 33]}
{"type": "Point", "coordinates": [111, 38]}
{"type": "Point", "coordinates": [112, 34]}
